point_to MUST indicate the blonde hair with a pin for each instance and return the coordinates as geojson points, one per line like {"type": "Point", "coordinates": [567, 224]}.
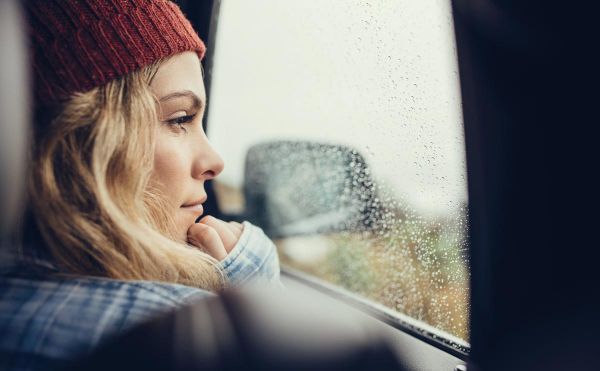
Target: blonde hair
{"type": "Point", "coordinates": [90, 188]}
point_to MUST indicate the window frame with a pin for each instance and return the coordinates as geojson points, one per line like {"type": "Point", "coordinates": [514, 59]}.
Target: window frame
{"type": "Point", "coordinates": [418, 329]}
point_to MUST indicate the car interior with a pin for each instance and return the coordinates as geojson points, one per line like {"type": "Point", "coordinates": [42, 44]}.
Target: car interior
{"type": "Point", "coordinates": [524, 75]}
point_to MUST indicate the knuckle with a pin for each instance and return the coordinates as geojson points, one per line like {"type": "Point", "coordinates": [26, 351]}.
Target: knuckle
{"type": "Point", "coordinates": [209, 219]}
{"type": "Point", "coordinates": [200, 231]}
{"type": "Point", "coordinates": [208, 234]}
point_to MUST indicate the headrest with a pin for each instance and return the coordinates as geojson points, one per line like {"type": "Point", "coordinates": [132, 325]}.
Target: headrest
{"type": "Point", "coordinates": [14, 118]}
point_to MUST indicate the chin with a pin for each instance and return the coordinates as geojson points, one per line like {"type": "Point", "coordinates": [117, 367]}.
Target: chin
{"type": "Point", "coordinates": [181, 227]}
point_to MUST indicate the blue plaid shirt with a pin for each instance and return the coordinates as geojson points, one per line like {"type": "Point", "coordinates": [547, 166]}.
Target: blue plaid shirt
{"type": "Point", "coordinates": [48, 319]}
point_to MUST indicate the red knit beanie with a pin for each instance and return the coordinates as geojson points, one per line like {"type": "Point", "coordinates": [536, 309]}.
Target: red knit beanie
{"type": "Point", "coordinates": [81, 44]}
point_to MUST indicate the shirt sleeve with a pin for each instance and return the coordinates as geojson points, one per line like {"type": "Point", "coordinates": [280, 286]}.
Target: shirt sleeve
{"type": "Point", "coordinates": [253, 258]}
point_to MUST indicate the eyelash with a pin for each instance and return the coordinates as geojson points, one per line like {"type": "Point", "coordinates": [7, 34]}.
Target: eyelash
{"type": "Point", "coordinates": [180, 122]}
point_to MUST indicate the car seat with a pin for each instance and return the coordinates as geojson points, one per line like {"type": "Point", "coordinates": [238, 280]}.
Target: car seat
{"type": "Point", "coordinates": [14, 108]}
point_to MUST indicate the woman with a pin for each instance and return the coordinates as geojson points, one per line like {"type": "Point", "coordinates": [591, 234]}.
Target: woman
{"type": "Point", "coordinates": [117, 182]}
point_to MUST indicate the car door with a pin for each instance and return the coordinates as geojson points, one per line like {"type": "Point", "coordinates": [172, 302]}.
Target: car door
{"type": "Point", "coordinates": [303, 93]}
{"type": "Point", "coordinates": [512, 308]}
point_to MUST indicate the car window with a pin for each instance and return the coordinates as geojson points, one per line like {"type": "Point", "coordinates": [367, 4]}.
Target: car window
{"type": "Point", "coordinates": [340, 126]}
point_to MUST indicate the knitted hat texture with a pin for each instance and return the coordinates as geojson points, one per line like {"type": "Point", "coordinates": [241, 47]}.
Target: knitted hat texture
{"type": "Point", "coordinates": [81, 44]}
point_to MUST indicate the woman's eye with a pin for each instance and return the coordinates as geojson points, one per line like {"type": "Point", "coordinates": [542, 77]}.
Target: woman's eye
{"type": "Point", "coordinates": [181, 121]}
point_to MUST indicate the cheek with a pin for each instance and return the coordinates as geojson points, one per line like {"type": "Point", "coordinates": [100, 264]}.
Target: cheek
{"type": "Point", "coordinates": [172, 174]}
{"type": "Point", "coordinates": [170, 170]}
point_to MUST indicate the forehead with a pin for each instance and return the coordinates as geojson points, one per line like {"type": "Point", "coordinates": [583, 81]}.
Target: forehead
{"type": "Point", "coordinates": [180, 72]}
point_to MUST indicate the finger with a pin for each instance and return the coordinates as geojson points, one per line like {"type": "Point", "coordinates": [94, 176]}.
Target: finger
{"type": "Point", "coordinates": [206, 238]}
{"type": "Point", "coordinates": [237, 228]}
{"type": "Point", "coordinates": [227, 236]}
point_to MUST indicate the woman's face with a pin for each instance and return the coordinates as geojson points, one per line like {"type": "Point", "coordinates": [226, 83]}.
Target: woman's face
{"type": "Point", "coordinates": [183, 159]}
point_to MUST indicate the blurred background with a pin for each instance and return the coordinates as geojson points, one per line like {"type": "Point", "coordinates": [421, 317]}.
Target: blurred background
{"type": "Point", "coordinates": [378, 78]}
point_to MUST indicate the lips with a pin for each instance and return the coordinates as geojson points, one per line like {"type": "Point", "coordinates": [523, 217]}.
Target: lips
{"type": "Point", "coordinates": [195, 206]}
{"type": "Point", "coordinates": [192, 207]}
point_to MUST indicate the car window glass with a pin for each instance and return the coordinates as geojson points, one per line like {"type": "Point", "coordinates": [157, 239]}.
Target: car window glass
{"type": "Point", "coordinates": [341, 129]}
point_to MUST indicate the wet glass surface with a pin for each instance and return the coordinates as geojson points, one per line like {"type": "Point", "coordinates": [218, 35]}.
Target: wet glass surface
{"type": "Point", "coordinates": [340, 126]}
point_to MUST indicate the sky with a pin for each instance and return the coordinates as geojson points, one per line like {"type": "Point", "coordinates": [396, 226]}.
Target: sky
{"type": "Point", "coordinates": [380, 76]}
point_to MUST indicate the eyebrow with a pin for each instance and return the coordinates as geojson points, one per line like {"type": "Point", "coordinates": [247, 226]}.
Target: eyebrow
{"type": "Point", "coordinates": [197, 103]}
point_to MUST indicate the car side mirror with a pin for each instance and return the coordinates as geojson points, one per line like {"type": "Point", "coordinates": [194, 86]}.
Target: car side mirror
{"type": "Point", "coordinates": [298, 187]}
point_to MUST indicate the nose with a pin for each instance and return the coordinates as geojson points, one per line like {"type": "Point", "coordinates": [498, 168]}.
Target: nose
{"type": "Point", "coordinates": [207, 162]}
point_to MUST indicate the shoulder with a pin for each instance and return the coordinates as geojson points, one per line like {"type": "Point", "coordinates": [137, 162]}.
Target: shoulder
{"type": "Point", "coordinates": [60, 318]}
{"type": "Point", "coordinates": [92, 294]}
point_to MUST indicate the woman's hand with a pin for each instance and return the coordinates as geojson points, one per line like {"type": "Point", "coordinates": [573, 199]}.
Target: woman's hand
{"type": "Point", "coordinates": [214, 236]}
